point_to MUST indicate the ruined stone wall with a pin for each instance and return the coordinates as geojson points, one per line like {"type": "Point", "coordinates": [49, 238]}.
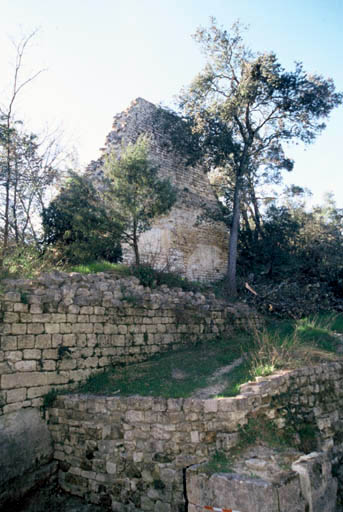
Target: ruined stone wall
{"type": "Point", "coordinates": [180, 240]}
{"type": "Point", "coordinates": [60, 328]}
{"type": "Point", "coordinates": [131, 453]}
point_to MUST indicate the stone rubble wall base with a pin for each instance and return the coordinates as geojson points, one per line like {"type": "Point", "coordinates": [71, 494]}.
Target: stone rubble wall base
{"type": "Point", "coordinates": [132, 452]}
{"type": "Point", "coordinates": [309, 488]}
{"type": "Point", "coordinates": [57, 330]}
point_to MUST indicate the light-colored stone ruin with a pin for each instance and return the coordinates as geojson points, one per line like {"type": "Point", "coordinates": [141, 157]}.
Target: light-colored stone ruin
{"type": "Point", "coordinates": [134, 454]}
{"type": "Point", "coordinates": [184, 240]}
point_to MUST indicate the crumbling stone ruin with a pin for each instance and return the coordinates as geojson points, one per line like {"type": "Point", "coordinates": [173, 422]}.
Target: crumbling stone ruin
{"type": "Point", "coordinates": [181, 240]}
{"type": "Point", "coordinates": [133, 454]}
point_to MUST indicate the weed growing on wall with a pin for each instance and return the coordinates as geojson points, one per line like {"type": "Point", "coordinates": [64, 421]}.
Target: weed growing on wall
{"type": "Point", "coordinates": [49, 398]}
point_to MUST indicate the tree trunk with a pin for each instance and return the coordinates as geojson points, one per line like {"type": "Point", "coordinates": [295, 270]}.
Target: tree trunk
{"type": "Point", "coordinates": [257, 216]}
{"type": "Point", "coordinates": [135, 243]}
{"type": "Point", "coordinates": [233, 242]}
{"type": "Point", "coordinates": [7, 184]}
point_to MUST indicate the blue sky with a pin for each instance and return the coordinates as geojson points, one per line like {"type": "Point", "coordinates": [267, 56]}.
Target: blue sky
{"type": "Point", "coordinates": [99, 55]}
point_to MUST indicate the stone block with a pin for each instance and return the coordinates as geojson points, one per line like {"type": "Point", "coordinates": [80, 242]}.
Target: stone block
{"type": "Point", "coordinates": [110, 329]}
{"type": "Point", "coordinates": [20, 308]}
{"type": "Point", "coordinates": [32, 353]}
{"type": "Point", "coordinates": [58, 318]}
{"type": "Point", "coordinates": [69, 340]}
{"type": "Point", "coordinates": [56, 340]}
{"type": "Point", "coordinates": [99, 310]}
{"type": "Point", "coordinates": [86, 310]}
{"type": "Point", "coordinates": [25, 318]}
{"type": "Point", "coordinates": [111, 467]}
{"type": "Point", "coordinates": [19, 380]}
{"type": "Point", "coordinates": [26, 366]}
{"type": "Point", "coordinates": [37, 391]}
{"type": "Point", "coordinates": [71, 318]}
{"type": "Point", "coordinates": [90, 362]}
{"type": "Point", "coordinates": [15, 407]}
{"type": "Point", "coordinates": [41, 318]}
{"type": "Point", "coordinates": [43, 341]}
{"type": "Point", "coordinates": [83, 328]}
{"type": "Point", "coordinates": [19, 328]}
{"type": "Point", "coordinates": [48, 365]}
{"type": "Point", "coordinates": [16, 395]}
{"type": "Point", "coordinates": [52, 328]}
{"type": "Point", "coordinates": [98, 328]}
{"type": "Point", "coordinates": [65, 328]}
{"type": "Point", "coordinates": [195, 437]}
{"type": "Point", "coordinates": [119, 340]}
{"type": "Point", "coordinates": [134, 416]}
{"type": "Point", "coordinates": [26, 341]}
{"type": "Point", "coordinates": [12, 297]}
{"type": "Point", "coordinates": [14, 355]}
{"type": "Point", "coordinates": [36, 308]}
{"type": "Point", "coordinates": [9, 342]}
{"type": "Point", "coordinates": [67, 364]}
{"type": "Point", "coordinates": [5, 329]}
{"type": "Point", "coordinates": [83, 319]}
{"type": "Point", "coordinates": [54, 379]}
{"type": "Point", "coordinates": [210, 406]}
{"type": "Point", "coordinates": [35, 328]}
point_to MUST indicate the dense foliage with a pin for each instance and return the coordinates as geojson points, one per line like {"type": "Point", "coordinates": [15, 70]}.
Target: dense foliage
{"type": "Point", "coordinates": [136, 195]}
{"type": "Point", "coordinates": [295, 261]}
{"type": "Point", "coordinates": [244, 107]}
{"type": "Point", "coordinates": [78, 224]}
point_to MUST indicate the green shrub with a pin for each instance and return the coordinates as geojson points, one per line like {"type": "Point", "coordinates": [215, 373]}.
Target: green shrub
{"type": "Point", "coordinates": [148, 276]}
{"type": "Point", "coordinates": [79, 226]}
{"type": "Point", "coordinates": [49, 398]}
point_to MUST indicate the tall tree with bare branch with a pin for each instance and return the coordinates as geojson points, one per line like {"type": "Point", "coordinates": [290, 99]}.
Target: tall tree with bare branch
{"type": "Point", "coordinates": [8, 132]}
{"type": "Point", "coordinates": [244, 108]}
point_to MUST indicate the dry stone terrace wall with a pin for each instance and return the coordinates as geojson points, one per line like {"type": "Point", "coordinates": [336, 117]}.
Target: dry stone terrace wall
{"type": "Point", "coordinates": [130, 453]}
{"type": "Point", "coordinates": [185, 239]}
{"type": "Point", "coordinates": [59, 329]}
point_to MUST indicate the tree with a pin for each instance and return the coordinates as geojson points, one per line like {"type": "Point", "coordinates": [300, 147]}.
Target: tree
{"type": "Point", "coordinates": [244, 107]}
{"type": "Point", "coordinates": [77, 223]}
{"type": "Point", "coordinates": [34, 168]}
{"type": "Point", "coordinates": [9, 168]}
{"type": "Point", "coordinates": [136, 194]}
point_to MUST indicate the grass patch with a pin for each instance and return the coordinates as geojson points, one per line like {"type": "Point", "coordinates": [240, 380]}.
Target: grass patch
{"type": "Point", "coordinates": [259, 430]}
{"type": "Point", "coordinates": [219, 463]}
{"type": "Point", "coordinates": [294, 343]}
{"type": "Point", "coordinates": [178, 374]}
{"type": "Point", "coordinates": [319, 331]}
{"type": "Point", "coordinates": [173, 374]}
{"type": "Point", "coordinates": [236, 377]}
{"type": "Point", "coordinates": [94, 267]}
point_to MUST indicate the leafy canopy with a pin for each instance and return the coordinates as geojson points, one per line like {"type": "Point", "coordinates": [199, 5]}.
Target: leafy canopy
{"type": "Point", "coordinates": [77, 222]}
{"type": "Point", "coordinates": [244, 107]}
{"type": "Point", "coordinates": [136, 193]}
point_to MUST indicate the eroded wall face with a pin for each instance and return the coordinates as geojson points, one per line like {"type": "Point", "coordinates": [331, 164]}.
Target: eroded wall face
{"type": "Point", "coordinates": [186, 239]}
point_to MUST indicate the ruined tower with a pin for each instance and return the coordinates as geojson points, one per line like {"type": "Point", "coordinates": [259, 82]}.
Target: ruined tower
{"type": "Point", "coordinates": [184, 240]}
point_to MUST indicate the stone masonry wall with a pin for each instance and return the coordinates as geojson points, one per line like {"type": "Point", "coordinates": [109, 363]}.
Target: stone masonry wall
{"type": "Point", "coordinates": [131, 453]}
{"type": "Point", "coordinates": [182, 240]}
{"type": "Point", "coordinates": [60, 328]}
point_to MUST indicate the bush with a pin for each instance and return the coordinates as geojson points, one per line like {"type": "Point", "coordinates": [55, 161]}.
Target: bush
{"type": "Point", "coordinates": [77, 224]}
{"type": "Point", "coordinates": [26, 261]}
{"type": "Point", "coordinates": [148, 276]}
